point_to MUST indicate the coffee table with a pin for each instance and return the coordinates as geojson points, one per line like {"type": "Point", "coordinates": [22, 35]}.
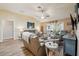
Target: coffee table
{"type": "Point", "coordinates": [50, 46]}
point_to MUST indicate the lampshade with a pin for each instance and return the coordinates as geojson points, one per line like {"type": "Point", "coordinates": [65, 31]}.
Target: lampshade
{"type": "Point", "coordinates": [20, 28]}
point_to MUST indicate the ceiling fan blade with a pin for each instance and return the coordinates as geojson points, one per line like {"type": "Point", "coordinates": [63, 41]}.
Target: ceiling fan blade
{"type": "Point", "coordinates": [37, 17]}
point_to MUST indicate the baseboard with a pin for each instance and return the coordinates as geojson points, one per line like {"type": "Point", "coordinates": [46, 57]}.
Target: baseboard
{"type": "Point", "coordinates": [16, 38]}
{"type": "Point", "coordinates": [7, 37]}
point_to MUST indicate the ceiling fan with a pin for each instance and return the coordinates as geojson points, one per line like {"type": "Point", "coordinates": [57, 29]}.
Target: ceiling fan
{"type": "Point", "coordinates": [44, 14]}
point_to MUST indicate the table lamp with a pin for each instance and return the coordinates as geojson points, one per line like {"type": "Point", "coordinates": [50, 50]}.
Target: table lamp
{"type": "Point", "coordinates": [21, 29]}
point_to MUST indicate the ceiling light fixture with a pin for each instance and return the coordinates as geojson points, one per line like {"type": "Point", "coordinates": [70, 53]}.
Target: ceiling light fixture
{"type": "Point", "coordinates": [43, 11]}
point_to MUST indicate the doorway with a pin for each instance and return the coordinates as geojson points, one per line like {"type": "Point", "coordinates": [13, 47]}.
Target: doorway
{"type": "Point", "coordinates": [8, 29]}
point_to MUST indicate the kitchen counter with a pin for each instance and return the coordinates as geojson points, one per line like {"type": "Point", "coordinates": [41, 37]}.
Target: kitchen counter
{"type": "Point", "coordinates": [69, 37]}
{"type": "Point", "coordinates": [69, 45]}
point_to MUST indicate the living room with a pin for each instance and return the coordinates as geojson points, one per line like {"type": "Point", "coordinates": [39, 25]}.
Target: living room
{"type": "Point", "coordinates": [37, 29]}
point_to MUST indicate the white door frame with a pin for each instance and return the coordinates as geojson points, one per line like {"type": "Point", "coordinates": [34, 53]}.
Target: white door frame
{"type": "Point", "coordinates": [2, 25]}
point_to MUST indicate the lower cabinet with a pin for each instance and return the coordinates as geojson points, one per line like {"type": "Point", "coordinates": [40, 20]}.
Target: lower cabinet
{"type": "Point", "coordinates": [69, 47]}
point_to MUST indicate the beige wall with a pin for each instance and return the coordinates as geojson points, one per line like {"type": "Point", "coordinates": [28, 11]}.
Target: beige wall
{"type": "Point", "coordinates": [19, 20]}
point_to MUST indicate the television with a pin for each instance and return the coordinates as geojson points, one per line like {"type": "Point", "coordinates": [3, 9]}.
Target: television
{"type": "Point", "coordinates": [30, 25]}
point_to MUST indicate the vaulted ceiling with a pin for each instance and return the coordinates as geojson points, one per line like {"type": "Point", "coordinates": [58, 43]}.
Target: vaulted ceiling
{"type": "Point", "coordinates": [55, 10]}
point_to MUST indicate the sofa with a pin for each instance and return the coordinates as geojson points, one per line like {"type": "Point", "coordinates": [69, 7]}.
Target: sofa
{"type": "Point", "coordinates": [34, 47]}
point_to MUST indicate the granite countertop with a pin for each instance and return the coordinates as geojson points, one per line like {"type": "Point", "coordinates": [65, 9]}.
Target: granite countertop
{"type": "Point", "coordinates": [69, 37]}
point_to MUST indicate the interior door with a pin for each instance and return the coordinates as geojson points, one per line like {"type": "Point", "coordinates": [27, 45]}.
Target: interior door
{"type": "Point", "coordinates": [8, 29]}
